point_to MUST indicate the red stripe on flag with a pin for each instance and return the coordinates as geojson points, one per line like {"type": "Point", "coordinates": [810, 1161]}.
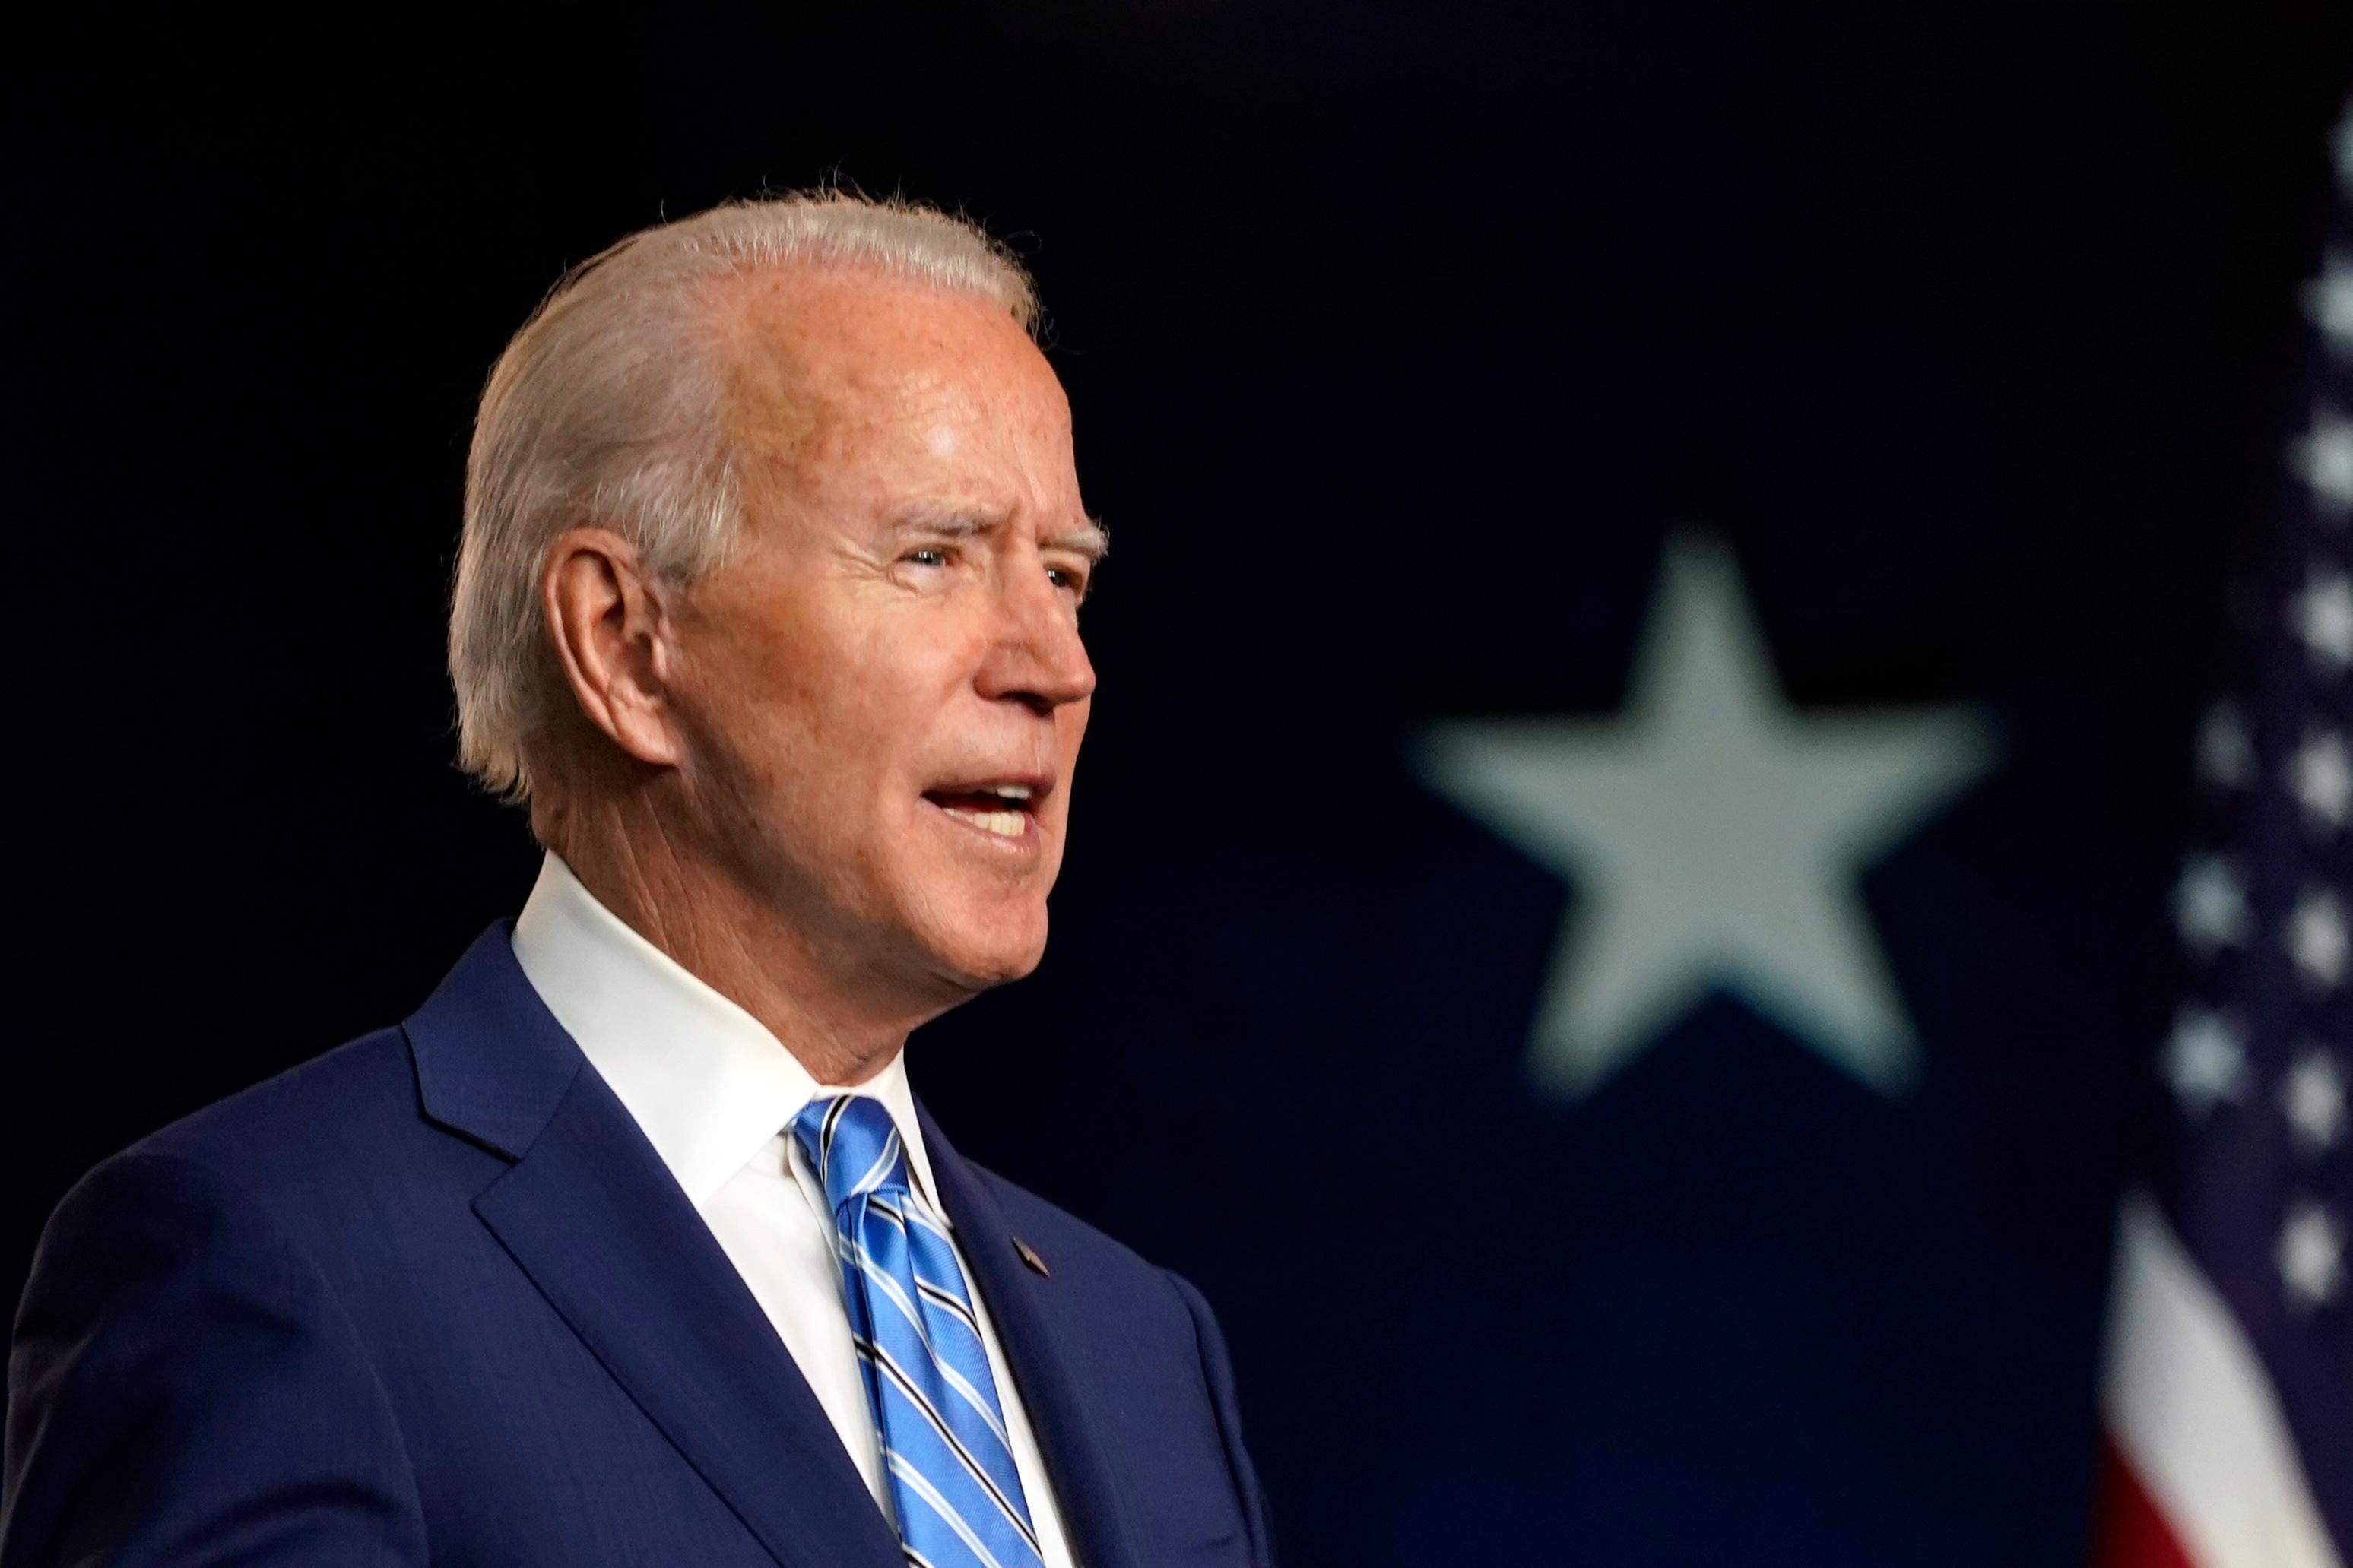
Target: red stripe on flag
{"type": "Point", "coordinates": [2127, 1531]}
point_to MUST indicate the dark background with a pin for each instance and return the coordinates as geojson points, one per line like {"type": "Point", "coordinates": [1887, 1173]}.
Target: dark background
{"type": "Point", "coordinates": [1397, 340]}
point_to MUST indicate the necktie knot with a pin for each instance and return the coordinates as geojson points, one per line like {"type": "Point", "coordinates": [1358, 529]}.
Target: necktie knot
{"type": "Point", "coordinates": [852, 1144]}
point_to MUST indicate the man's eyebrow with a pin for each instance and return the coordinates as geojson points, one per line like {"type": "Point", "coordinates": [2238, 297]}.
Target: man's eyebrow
{"type": "Point", "coordinates": [949, 524]}
{"type": "Point", "coordinates": [1091, 541]}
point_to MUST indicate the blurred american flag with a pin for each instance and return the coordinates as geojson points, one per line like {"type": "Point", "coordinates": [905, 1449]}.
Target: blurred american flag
{"type": "Point", "coordinates": [2229, 1391]}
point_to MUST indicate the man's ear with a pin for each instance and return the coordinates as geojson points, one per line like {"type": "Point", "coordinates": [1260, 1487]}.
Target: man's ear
{"type": "Point", "coordinates": [605, 616]}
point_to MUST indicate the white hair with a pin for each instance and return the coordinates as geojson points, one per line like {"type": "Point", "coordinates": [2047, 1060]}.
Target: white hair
{"type": "Point", "coordinates": [609, 409]}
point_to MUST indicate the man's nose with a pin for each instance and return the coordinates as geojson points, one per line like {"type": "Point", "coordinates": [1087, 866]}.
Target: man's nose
{"type": "Point", "coordinates": [1038, 657]}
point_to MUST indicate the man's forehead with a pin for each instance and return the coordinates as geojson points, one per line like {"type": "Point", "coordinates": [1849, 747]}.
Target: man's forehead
{"type": "Point", "coordinates": [868, 330]}
{"type": "Point", "coordinates": [889, 401]}
{"type": "Point", "coordinates": [813, 350]}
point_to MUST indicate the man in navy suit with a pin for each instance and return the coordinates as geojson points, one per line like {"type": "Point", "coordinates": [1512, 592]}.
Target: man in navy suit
{"type": "Point", "coordinates": [632, 1246]}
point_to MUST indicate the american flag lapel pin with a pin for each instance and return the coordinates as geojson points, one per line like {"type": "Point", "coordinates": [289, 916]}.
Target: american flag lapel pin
{"type": "Point", "coordinates": [1031, 1258]}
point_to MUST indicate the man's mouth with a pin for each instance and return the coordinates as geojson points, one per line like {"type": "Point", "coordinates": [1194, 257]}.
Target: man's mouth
{"type": "Point", "coordinates": [1003, 809]}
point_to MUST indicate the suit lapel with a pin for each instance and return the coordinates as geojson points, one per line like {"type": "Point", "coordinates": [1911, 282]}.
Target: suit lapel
{"type": "Point", "coordinates": [1029, 1312]}
{"type": "Point", "coordinates": [591, 1215]}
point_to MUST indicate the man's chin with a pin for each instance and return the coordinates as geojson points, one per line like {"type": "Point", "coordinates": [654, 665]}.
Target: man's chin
{"type": "Point", "coordinates": [989, 955]}
{"type": "Point", "coordinates": [1004, 969]}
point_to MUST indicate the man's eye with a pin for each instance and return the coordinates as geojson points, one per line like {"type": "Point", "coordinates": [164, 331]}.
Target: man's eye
{"type": "Point", "coordinates": [1063, 577]}
{"type": "Point", "coordinates": [927, 557]}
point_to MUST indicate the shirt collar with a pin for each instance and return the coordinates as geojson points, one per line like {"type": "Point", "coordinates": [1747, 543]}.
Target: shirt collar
{"type": "Point", "coordinates": [705, 1082]}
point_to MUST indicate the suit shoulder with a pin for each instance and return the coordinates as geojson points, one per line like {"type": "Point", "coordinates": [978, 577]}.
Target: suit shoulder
{"type": "Point", "coordinates": [317, 1110]}
{"type": "Point", "coordinates": [333, 1160]}
{"type": "Point", "coordinates": [239, 1159]}
{"type": "Point", "coordinates": [337, 1137]}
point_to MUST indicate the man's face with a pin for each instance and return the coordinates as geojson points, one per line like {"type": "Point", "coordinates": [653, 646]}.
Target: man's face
{"type": "Point", "coordinates": [884, 693]}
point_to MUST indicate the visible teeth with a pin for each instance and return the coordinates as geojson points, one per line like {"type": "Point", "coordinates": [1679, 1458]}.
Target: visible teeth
{"type": "Point", "coordinates": [1004, 824]}
{"type": "Point", "coordinates": [1011, 791]}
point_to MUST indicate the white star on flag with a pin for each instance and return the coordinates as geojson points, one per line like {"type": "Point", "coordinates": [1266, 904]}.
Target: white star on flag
{"type": "Point", "coordinates": [1714, 835]}
{"type": "Point", "coordinates": [2225, 755]}
{"type": "Point", "coordinates": [2311, 1255]}
{"type": "Point", "coordinates": [2324, 460]}
{"type": "Point", "coordinates": [2320, 776]}
{"type": "Point", "coordinates": [2209, 905]}
{"type": "Point", "coordinates": [2313, 1095]}
{"type": "Point", "coordinates": [2330, 301]}
{"type": "Point", "coordinates": [2205, 1061]}
{"type": "Point", "coordinates": [2317, 937]}
{"type": "Point", "coordinates": [2323, 617]}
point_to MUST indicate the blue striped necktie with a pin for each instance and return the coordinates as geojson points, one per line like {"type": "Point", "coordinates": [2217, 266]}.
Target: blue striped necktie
{"type": "Point", "coordinates": [952, 1480]}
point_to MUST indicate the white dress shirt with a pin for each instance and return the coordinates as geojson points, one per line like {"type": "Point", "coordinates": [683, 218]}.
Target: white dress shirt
{"type": "Point", "coordinates": [715, 1094]}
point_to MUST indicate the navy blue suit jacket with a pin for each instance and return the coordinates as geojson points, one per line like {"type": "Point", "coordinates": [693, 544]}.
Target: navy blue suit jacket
{"type": "Point", "coordinates": [433, 1298]}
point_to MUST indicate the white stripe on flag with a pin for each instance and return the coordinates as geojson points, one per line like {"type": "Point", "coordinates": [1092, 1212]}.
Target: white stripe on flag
{"type": "Point", "coordinates": [2194, 1414]}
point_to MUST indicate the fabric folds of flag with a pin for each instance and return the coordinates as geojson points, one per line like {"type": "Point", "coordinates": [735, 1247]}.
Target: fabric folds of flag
{"type": "Point", "coordinates": [2228, 1398]}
